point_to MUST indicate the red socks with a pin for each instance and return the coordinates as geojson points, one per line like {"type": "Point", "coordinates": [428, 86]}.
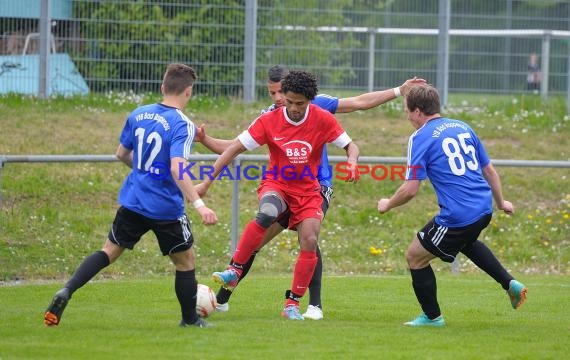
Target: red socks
{"type": "Point", "coordinates": [250, 240]}
{"type": "Point", "coordinates": [304, 269]}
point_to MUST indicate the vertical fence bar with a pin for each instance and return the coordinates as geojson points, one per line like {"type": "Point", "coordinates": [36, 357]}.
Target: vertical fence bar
{"type": "Point", "coordinates": [508, 48]}
{"type": "Point", "coordinates": [250, 51]}
{"type": "Point", "coordinates": [568, 79]}
{"type": "Point", "coordinates": [45, 37]}
{"type": "Point", "coordinates": [2, 161]}
{"type": "Point", "coordinates": [371, 54]}
{"type": "Point", "coordinates": [545, 61]}
{"type": "Point", "coordinates": [443, 50]}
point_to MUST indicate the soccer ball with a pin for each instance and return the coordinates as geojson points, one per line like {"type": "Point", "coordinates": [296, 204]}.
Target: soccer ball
{"type": "Point", "coordinates": [205, 301]}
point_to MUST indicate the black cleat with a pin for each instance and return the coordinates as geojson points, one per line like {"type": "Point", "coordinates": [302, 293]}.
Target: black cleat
{"type": "Point", "coordinates": [53, 314]}
{"type": "Point", "coordinates": [201, 323]}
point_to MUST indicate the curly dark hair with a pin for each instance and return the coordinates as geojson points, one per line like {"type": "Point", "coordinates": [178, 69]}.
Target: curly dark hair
{"type": "Point", "coordinates": [300, 82]}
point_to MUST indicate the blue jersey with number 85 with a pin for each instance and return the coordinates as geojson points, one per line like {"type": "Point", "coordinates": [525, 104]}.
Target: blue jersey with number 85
{"type": "Point", "coordinates": [450, 154]}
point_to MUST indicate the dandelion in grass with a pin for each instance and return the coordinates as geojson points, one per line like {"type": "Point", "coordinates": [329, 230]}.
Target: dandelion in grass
{"type": "Point", "coordinates": [374, 251]}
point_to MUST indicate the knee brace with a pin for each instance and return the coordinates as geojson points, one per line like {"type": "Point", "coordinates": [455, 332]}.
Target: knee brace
{"type": "Point", "coordinates": [270, 207]}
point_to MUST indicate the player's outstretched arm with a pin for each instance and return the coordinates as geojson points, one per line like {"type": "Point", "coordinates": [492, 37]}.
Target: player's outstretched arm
{"type": "Point", "coordinates": [372, 99]}
{"type": "Point", "coordinates": [125, 155]}
{"type": "Point", "coordinates": [492, 177]}
{"type": "Point", "coordinates": [352, 154]}
{"type": "Point", "coordinates": [405, 193]}
{"type": "Point", "coordinates": [184, 183]}
{"type": "Point", "coordinates": [215, 145]}
{"type": "Point", "coordinates": [232, 151]}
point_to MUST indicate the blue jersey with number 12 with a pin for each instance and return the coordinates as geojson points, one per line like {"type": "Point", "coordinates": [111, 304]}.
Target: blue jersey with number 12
{"type": "Point", "coordinates": [450, 154]}
{"type": "Point", "coordinates": [156, 133]}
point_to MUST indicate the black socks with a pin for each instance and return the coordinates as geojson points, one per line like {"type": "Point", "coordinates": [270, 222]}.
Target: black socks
{"type": "Point", "coordinates": [425, 287]}
{"type": "Point", "coordinates": [90, 266]}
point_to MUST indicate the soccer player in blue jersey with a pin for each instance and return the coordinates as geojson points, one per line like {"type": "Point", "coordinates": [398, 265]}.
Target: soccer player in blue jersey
{"type": "Point", "coordinates": [451, 156]}
{"type": "Point", "coordinates": [155, 142]}
{"type": "Point", "coordinates": [333, 105]}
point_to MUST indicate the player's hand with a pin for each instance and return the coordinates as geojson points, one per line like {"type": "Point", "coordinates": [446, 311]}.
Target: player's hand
{"type": "Point", "coordinates": [200, 133]}
{"type": "Point", "coordinates": [406, 86]}
{"type": "Point", "coordinates": [353, 173]}
{"type": "Point", "coordinates": [201, 189]}
{"type": "Point", "coordinates": [507, 207]}
{"type": "Point", "coordinates": [208, 215]}
{"type": "Point", "coordinates": [383, 205]}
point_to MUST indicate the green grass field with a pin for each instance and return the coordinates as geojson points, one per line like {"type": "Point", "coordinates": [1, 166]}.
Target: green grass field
{"type": "Point", "coordinates": [53, 215]}
{"type": "Point", "coordinates": [137, 319]}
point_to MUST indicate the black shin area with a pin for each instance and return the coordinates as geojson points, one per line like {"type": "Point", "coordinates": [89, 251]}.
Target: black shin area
{"type": "Point", "coordinates": [484, 258]}
{"type": "Point", "coordinates": [425, 287]}
{"type": "Point", "coordinates": [185, 286]}
{"type": "Point", "coordinates": [90, 267]}
{"type": "Point", "coordinates": [315, 284]}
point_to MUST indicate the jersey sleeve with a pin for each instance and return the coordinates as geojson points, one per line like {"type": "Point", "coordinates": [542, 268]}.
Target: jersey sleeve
{"type": "Point", "coordinates": [333, 131]}
{"type": "Point", "coordinates": [183, 139]}
{"type": "Point", "coordinates": [417, 151]}
{"type": "Point", "coordinates": [482, 155]}
{"type": "Point", "coordinates": [326, 102]}
{"type": "Point", "coordinates": [126, 139]}
{"type": "Point", "coordinates": [255, 135]}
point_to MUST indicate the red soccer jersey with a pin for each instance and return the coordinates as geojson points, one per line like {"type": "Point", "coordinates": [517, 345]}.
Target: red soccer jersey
{"type": "Point", "coordinates": [295, 148]}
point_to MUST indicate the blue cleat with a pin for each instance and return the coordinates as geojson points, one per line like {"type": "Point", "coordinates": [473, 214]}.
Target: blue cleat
{"type": "Point", "coordinates": [517, 293]}
{"type": "Point", "coordinates": [423, 320]}
{"type": "Point", "coordinates": [292, 312]}
{"type": "Point", "coordinates": [227, 278]}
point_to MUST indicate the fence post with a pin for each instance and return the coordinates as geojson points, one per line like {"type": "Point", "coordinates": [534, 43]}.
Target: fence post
{"type": "Point", "coordinates": [371, 54]}
{"type": "Point", "coordinates": [2, 161]}
{"type": "Point", "coordinates": [442, 83]}
{"type": "Point", "coordinates": [250, 51]}
{"type": "Point", "coordinates": [45, 37]}
{"type": "Point", "coordinates": [544, 69]}
{"type": "Point", "coordinates": [568, 79]}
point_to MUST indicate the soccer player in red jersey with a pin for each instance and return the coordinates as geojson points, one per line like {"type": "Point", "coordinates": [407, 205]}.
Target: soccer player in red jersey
{"type": "Point", "coordinates": [295, 135]}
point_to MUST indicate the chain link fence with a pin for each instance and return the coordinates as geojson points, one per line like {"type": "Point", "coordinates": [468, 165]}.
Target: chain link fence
{"type": "Point", "coordinates": [111, 45]}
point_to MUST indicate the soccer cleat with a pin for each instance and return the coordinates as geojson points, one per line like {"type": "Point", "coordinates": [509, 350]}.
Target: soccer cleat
{"type": "Point", "coordinates": [201, 323]}
{"type": "Point", "coordinates": [291, 312]}
{"type": "Point", "coordinates": [227, 278]}
{"type": "Point", "coordinates": [423, 320]}
{"type": "Point", "coordinates": [517, 293]}
{"type": "Point", "coordinates": [225, 307]}
{"type": "Point", "coordinates": [313, 312]}
{"type": "Point", "coordinates": [53, 313]}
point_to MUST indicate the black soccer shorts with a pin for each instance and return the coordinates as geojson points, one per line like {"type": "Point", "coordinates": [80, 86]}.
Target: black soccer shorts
{"type": "Point", "coordinates": [173, 235]}
{"type": "Point", "coordinates": [445, 242]}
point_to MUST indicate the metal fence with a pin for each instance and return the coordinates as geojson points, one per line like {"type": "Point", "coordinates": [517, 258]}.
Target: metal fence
{"type": "Point", "coordinates": [111, 45]}
{"type": "Point", "coordinates": [4, 159]}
